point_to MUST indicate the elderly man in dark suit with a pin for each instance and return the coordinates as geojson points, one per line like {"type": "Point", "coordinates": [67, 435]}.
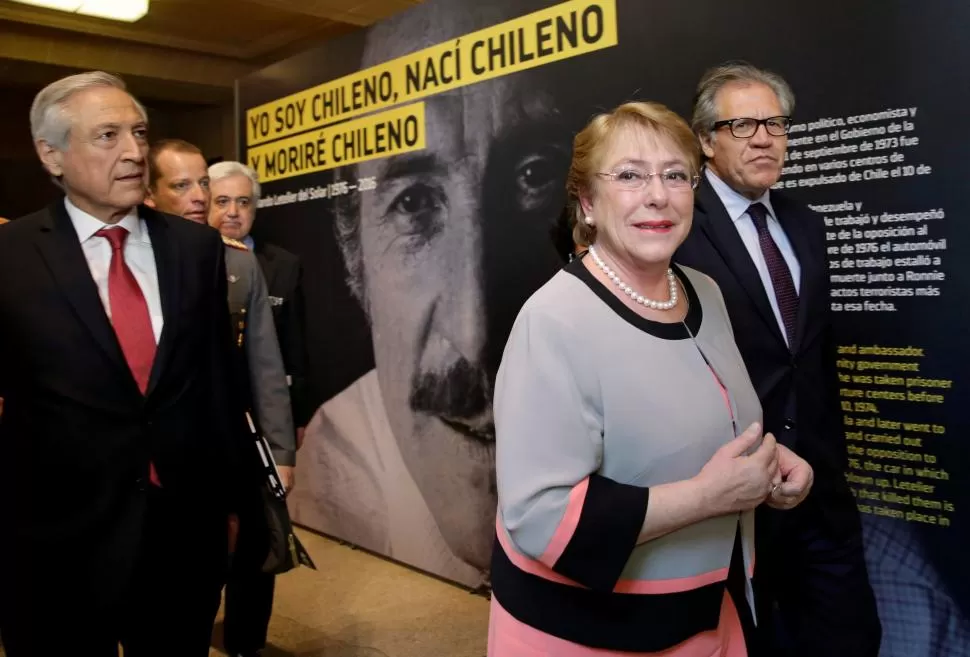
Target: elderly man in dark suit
{"type": "Point", "coordinates": [119, 463]}
{"type": "Point", "coordinates": [767, 254]}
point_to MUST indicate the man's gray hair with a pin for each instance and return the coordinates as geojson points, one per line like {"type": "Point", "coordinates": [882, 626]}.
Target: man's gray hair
{"type": "Point", "coordinates": [229, 168]}
{"type": "Point", "coordinates": [705, 100]}
{"type": "Point", "coordinates": [48, 120]}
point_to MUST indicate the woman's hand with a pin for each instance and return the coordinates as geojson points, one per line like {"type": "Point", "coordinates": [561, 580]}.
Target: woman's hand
{"type": "Point", "coordinates": [737, 481]}
{"type": "Point", "coordinates": [797, 477]}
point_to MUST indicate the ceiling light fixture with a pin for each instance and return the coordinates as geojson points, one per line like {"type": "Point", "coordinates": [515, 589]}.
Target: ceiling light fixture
{"type": "Point", "coordinates": [116, 10]}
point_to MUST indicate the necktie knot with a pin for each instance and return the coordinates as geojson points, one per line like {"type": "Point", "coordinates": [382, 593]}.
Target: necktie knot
{"type": "Point", "coordinates": [759, 215]}
{"type": "Point", "coordinates": [115, 236]}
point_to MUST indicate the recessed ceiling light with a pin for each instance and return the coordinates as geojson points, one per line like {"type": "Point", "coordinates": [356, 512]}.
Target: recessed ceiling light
{"type": "Point", "coordinates": [117, 10]}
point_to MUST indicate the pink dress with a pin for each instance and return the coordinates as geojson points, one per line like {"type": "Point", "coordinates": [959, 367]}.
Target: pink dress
{"type": "Point", "coordinates": [507, 637]}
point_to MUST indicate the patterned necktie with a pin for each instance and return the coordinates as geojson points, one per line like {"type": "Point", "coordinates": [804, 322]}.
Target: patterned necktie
{"type": "Point", "coordinates": [129, 315]}
{"type": "Point", "coordinates": [781, 279]}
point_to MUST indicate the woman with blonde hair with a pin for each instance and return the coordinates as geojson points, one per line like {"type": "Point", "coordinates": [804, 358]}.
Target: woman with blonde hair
{"type": "Point", "coordinates": [624, 478]}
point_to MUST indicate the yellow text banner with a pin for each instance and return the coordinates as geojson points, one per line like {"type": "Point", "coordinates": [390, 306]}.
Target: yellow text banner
{"type": "Point", "coordinates": [558, 32]}
{"type": "Point", "coordinates": [395, 131]}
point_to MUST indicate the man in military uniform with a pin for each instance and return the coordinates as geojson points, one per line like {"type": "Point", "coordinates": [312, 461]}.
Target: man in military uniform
{"type": "Point", "coordinates": [179, 184]}
{"type": "Point", "coordinates": [235, 193]}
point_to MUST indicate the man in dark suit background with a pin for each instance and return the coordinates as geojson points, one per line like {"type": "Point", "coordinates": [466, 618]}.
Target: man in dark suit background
{"type": "Point", "coordinates": [117, 453]}
{"type": "Point", "coordinates": [767, 254]}
{"type": "Point", "coordinates": [179, 183]}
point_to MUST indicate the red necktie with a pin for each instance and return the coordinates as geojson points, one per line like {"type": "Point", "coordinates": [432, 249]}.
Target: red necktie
{"type": "Point", "coordinates": [129, 314]}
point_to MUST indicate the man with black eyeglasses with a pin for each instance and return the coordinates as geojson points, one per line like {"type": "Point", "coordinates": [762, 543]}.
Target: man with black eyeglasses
{"type": "Point", "coordinates": [767, 254]}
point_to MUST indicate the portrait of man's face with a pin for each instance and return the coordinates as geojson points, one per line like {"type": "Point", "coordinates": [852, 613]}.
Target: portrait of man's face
{"type": "Point", "coordinates": [489, 185]}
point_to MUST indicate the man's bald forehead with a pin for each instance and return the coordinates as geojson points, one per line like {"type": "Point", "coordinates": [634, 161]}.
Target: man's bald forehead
{"type": "Point", "coordinates": [168, 161]}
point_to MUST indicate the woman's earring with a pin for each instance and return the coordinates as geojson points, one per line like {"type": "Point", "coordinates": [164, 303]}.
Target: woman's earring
{"type": "Point", "coordinates": [589, 220]}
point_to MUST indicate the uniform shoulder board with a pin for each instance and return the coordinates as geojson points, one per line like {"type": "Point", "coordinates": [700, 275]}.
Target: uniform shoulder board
{"type": "Point", "coordinates": [235, 244]}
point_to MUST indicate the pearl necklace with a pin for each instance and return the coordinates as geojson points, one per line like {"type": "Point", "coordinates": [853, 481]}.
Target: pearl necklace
{"type": "Point", "coordinates": [643, 301]}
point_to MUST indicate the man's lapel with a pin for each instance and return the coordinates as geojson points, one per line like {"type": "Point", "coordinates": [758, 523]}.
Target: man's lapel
{"type": "Point", "coordinates": [712, 218]}
{"type": "Point", "coordinates": [165, 248]}
{"type": "Point", "coordinates": [60, 248]}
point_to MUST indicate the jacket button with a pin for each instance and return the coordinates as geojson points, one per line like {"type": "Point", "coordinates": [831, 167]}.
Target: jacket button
{"type": "Point", "coordinates": [789, 424]}
{"type": "Point", "coordinates": [140, 483]}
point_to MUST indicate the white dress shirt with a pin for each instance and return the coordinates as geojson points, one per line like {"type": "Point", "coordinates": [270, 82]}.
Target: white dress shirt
{"type": "Point", "coordinates": [737, 208]}
{"type": "Point", "coordinates": [139, 257]}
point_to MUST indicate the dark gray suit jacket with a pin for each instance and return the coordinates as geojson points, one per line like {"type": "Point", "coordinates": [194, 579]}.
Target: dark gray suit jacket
{"type": "Point", "coordinates": [249, 302]}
